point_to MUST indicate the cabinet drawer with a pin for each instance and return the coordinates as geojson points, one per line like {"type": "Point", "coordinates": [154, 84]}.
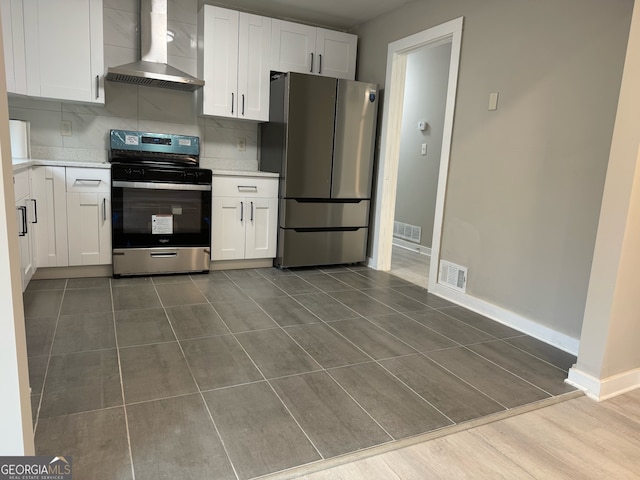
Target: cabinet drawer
{"type": "Point", "coordinates": [245, 187]}
{"type": "Point", "coordinates": [21, 184]}
{"type": "Point", "coordinates": [85, 180]}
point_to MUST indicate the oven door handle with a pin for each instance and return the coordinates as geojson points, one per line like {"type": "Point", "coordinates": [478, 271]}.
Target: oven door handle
{"type": "Point", "coordinates": [161, 186]}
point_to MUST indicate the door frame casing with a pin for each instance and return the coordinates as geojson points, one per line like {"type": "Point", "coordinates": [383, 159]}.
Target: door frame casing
{"type": "Point", "coordinates": [386, 187]}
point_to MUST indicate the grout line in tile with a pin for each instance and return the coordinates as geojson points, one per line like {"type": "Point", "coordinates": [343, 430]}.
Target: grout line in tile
{"type": "Point", "coordinates": [124, 402]}
{"type": "Point", "coordinates": [193, 377]}
{"type": "Point", "coordinates": [46, 370]}
{"type": "Point", "coordinates": [512, 373]}
{"type": "Point", "coordinates": [462, 379]}
{"type": "Point", "coordinates": [322, 457]}
{"type": "Point", "coordinates": [531, 354]}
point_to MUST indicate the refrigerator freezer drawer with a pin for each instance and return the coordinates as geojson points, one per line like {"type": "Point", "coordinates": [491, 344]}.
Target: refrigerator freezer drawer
{"type": "Point", "coordinates": [332, 247]}
{"type": "Point", "coordinates": [321, 214]}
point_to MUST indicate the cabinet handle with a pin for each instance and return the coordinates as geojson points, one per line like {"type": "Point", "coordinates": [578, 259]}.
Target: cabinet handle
{"type": "Point", "coordinates": [232, 103]}
{"type": "Point", "coordinates": [243, 104]}
{"type": "Point", "coordinates": [320, 63]}
{"type": "Point", "coordinates": [241, 211]}
{"type": "Point", "coordinates": [104, 209]}
{"type": "Point", "coordinates": [247, 188]}
{"type": "Point", "coordinates": [35, 210]}
{"type": "Point", "coordinates": [252, 211]}
{"type": "Point", "coordinates": [311, 70]}
{"type": "Point", "coordinates": [97, 86]}
{"type": "Point", "coordinates": [23, 210]}
{"type": "Point", "coordinates": [88, 180]}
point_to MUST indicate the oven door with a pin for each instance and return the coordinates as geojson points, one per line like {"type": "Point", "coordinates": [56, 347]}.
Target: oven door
{"type": "Point", "coordinates": [154, 215]}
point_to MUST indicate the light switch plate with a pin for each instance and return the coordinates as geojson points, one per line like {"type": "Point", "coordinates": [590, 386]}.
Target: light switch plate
{"type": "Point", "coordinates": [65, 128]}
{"type": "Point", "coordinates": [423, 150]}
{"type": "Point", "coordinates": [493, 101]}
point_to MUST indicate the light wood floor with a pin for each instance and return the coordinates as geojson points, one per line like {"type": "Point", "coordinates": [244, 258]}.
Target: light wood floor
{"type": "Point", "coordinates": [576, 439]}
{"type": "Point", "coordinates": [410, 266]}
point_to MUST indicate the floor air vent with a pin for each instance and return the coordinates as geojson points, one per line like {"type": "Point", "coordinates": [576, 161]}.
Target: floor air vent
{"type": "Point", "coordinates": [406, 231]}
{"type": "Point", "coordinates": [453, 276]}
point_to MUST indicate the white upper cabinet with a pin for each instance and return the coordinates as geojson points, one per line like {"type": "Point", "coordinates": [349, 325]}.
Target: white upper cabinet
{"type": "Point", "coordinates": [293, 47]}
{"type": "Point", "coordinates": [233, 60]}
{"type": "Point", "coordinates": [13, 40]}
{"type": "Point", "coordinates": [254, 48]}
{"type": "Point", "coordinates": [304, 49]}
{"type": "Point", "coordinates": [64, 49]}
{"type": "Point", "coordinates": [336, 53]}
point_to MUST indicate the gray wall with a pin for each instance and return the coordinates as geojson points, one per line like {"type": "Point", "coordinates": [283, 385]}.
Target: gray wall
{"type": "Point", "coordinates": [525, 182]}
{"type": "Point", "coordinates": [138, 108]}
{"type": "Point", "coordinates": [425, 98]}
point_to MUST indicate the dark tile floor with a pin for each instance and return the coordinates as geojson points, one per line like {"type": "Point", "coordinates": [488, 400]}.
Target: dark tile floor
{"type": "Point", "coordinates": [242, 373]}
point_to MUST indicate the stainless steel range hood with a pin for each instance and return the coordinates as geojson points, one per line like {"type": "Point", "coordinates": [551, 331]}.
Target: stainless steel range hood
{"type": "Point", "coordinates": [152, 70]}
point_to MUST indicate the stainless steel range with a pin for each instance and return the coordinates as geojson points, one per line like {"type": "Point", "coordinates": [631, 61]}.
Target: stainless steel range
{"type": "Point", "coordinates": [161, 204]}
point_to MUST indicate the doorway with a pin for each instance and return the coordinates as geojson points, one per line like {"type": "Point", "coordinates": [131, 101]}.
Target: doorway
{"type": "Point", "coordinates": [390, 150]}
{"type": "Point", "coordinates": [421, 135]}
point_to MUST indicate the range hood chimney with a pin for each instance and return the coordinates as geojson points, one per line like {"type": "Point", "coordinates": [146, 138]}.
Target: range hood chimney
{"type": "Point", "coordinates": [152, 69]}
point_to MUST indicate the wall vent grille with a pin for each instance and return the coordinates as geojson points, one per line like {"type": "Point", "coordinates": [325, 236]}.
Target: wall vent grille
{"type": "Point", "coordinates": [406, 231]}
{"type": "Point", "coordinates": [453, 276]}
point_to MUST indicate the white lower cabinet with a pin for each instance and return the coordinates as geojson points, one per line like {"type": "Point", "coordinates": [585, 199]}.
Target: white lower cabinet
{"type": "Point", "coordinates": [26, 217]}
{"type": "Point", "coordinates": [88, 216]}
{"type": "Point", "coordinates": [244, 218]}
{"type": "Point", "coordinates": [49, 190]}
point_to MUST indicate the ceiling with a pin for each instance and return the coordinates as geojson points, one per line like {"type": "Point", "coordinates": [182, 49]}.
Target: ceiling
{"type": "Point", "coordinates": [338, 14]}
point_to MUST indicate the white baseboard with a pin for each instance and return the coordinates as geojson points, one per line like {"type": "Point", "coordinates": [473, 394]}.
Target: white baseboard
{"type": "Point", "coordinates": [510, 319]}
{"type": "Point", "coordinates": [414, 247]}
{"type": "Point", "coordinates": [602, 389]}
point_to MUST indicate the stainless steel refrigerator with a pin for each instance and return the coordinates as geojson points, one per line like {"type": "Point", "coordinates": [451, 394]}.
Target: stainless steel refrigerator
{"type": "Point", "coordinates": [320, 138]}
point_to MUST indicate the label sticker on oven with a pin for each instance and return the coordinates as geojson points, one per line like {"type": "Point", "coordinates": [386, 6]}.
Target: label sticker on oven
{"type": "Point", "coordinates": [131, 139]}
{"type": "Point", "coordinates": [184, 142]}
{"type": "Point", "coordinates": [162, 224]}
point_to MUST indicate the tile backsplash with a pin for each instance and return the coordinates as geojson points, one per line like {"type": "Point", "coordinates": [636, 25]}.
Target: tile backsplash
{"type": "Point", "coordinates": [135, 107]}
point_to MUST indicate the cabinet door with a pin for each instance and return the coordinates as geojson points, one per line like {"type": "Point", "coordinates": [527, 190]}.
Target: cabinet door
{"type": "Point", "coordinates": [254, 50]}
{"type": "Point", "coordinates": [261, 227]}
{"type": "Point", "coordinates": [48, 191]}
{"type": "Point", "coordinates": [336, 52]}
{"type": "Point", "coordinates": [64, 45]}
{"type": "Point", "coordinates": [13, 40]}
{"type": "Point", "coordinates": [89, 228]}
{"type": "Point", "coordinates": [227, 232]}
{"type": "Point", "coordinates": [292, 47]}
{"type": "Point", "coordinates": [218, 51]}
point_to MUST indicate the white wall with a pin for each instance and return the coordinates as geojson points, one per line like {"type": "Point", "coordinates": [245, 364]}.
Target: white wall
{"type": "Point", "coordinates": [425, 95]}
{"type": "Point", "coordinates": [609, 357]}
{"type": "Point", "coordinates": [138, 108]}
{"type": "Point", "coordinates": [16, 430]}
{"type": "Point", "coordinates": [525, 182]}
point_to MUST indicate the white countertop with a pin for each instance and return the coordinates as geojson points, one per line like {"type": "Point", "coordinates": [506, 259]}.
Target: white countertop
{"type": "Point", "coordinates": [243, 173]}
{"type": "Point", "coordinates": [22, 163]}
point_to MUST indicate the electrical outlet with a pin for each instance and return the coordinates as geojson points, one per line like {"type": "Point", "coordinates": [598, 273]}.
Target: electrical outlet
{"type": "Point", "coordinates": [65, 128]}
{"type": "Point", "coordinates": [242, 144]}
